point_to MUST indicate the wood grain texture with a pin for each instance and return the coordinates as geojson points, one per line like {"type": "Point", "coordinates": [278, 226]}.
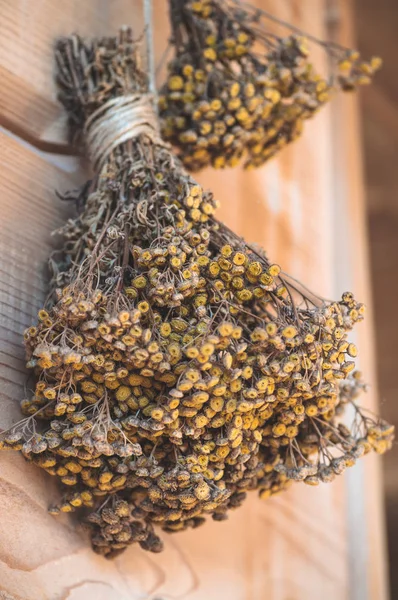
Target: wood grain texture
{"type": "Point", "coordinates": [28, 104]}
{"type": "Point", "coordinates": [364, 490]}
{"type": "Point", "coordinates": [293, 547]}
{"type": "Point", "coordinates": [376, 34]}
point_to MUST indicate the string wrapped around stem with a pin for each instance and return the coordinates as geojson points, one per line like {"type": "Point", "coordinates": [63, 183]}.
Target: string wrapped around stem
{"type": "Point", "coordinates": [176, 367]}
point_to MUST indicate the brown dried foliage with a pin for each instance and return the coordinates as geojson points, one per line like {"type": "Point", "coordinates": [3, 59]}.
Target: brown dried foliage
{"type": "Point", "coordinates": [176, 367]}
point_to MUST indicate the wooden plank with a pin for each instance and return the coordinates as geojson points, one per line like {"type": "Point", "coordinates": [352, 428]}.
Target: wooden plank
{"type": "Point", "coordinates": [295, 546]}
{"type": "Point", "coordinates": [28, 104]}
{"type": "Point", "coordinates": [368, 559]}
{"type": "Point", "coordinates": [380, 133]}
{"type": "Point", "coordinates": [384, 254]}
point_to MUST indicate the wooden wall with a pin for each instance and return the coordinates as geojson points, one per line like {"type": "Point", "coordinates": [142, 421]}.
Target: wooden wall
{"type": "Point", "coordinates": [306, 208]}
{"type": "Point", "coordinates": [376, 33]}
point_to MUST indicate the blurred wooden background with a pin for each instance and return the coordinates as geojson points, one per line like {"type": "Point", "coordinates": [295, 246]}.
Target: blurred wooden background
{"type": "Point", "coordinates": [377, 26]}
{"type": "Point", "coordinates": [307, 209]}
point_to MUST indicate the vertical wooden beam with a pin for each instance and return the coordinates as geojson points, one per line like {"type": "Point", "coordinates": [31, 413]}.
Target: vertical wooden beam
{"type": "Point", "coordinates": [365, 509]}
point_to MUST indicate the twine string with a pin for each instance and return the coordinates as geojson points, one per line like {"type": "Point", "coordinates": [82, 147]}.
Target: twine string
{"type": "Point", "coordinates": [117, 121]}
{"type": "Point", "coordinates": [150, 48]}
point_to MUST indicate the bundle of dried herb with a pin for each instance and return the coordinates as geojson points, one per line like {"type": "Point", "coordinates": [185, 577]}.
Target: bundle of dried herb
{"type": "Point", "coordinates": [176, 367]}
{"type": "Point", "coordinates": [236, 92]}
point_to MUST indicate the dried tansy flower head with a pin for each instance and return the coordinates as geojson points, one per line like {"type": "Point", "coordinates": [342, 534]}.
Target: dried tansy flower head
{"type": "Point", "coordinates": [235, 91]}
{"type": "Point", "coordinates": [176, 367]}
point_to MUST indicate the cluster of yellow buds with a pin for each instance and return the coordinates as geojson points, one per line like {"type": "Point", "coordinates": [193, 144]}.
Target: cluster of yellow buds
{"type": "Point", "coordinates": [235, 92]}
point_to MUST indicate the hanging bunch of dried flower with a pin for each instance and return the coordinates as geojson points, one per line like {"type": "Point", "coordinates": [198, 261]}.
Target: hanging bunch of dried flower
{"type": "Point", "coordinates": [176, 367]}
{"type": "Point", "coordinates": [236, 91]}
